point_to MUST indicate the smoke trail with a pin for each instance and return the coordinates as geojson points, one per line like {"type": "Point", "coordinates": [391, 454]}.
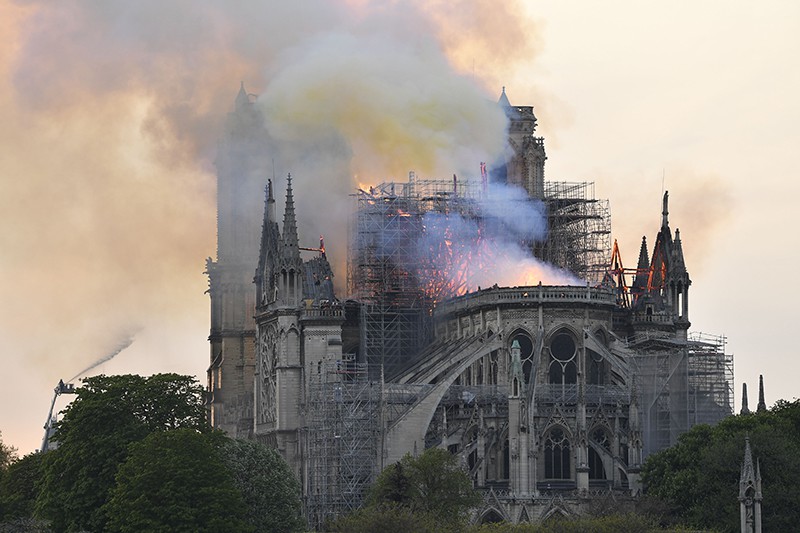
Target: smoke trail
{"type": "Point", "coordinates": [121, 346]}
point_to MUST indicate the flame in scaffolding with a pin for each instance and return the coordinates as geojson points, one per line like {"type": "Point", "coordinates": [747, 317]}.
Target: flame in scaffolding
{"type": "Point", "coordinates": [464, 255]}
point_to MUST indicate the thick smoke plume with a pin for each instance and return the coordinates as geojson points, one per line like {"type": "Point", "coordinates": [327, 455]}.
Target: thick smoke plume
{"type": "Point", "coordinates": [108, 190]}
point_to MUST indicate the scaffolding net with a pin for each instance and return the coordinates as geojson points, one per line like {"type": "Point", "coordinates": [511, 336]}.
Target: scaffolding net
{"type": "Point", "coordinates": [341, 438]}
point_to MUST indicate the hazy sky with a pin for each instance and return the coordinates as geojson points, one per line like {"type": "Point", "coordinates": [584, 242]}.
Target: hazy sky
{"type": "Point", "coordinates": [111, 111]}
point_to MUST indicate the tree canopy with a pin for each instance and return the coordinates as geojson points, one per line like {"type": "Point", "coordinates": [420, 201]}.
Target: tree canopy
{"type": "Point", "coordinates": [7, 455]}
{"type": "Point", "coordinates": [698, 478]}
{"type": "Point", "coordinates": [176, 482]}
{"type": "Point", "coordinates": [18, 487]}
{"type": "Point", "coordinates": [108, 414]}
{"type": "Point", "coordinates": [431, 484]}
{"type": "Point", "coordinates": [269, 488]}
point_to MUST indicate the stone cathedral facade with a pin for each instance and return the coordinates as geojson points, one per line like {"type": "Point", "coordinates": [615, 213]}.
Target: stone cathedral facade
{"type": "Point", "coordinates": [550, 396]}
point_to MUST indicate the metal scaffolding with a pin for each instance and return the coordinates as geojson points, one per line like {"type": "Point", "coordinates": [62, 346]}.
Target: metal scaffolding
{"type": "Point", "coordinates": [341, 439]}
{"type": "Point", "coordinates": [680, 384]}
{"type": "Point", "coordinates": [385, 271]}
{"type": "Point", "coordinates": [399, 276]}
{"type": "Point", "coordinates": [579, 230]}
{"type": "Point", "coordinates": [710, 379]}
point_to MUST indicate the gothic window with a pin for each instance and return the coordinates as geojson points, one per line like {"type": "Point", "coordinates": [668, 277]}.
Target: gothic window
{"type": "Point", "coordinates": [596, 470]}
{"type": "Point", "coordinates": [525, 354]}
{"type": "Point", "coordinates": [562, 368]}
{"type": "Point", "coordinates": [557, 454]}
{"type": "Point", "coordinates": [596, 368]}
{"type": "Point", "coordinates": [599, 443]}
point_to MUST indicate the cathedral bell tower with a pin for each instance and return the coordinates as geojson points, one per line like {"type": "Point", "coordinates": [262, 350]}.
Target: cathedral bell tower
{"type": "Point", "coordinates": [242, 162]}
{"type": "Point", "coordinates": [524, 165]}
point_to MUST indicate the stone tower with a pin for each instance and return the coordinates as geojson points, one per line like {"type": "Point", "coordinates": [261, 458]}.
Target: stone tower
{"type": "Point", "coordinates": [524, 165]}
{"type": "Point", "coordinates": [242, 166]}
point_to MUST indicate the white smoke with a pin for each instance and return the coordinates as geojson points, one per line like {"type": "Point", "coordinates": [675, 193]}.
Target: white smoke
{"type": "Point", "coordinates": [494, 248]}
{"type": "Point", "coordinates": [124, 343]}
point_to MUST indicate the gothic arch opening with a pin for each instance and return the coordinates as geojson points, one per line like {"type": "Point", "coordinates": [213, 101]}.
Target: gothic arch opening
{"type": "Point", "coordinates": [557, 454]}
{"type": "Point", "coordinates": [596, 368]}
{"type": "Point", "coordinates": [563, 350]}
{"type": "Point", "coordinates": [599, 453]}
{"type": "Point", "coordinates": [525, 352]}
{"type": "Point", "coordinates": [596, 469]}
{"type": "Point", "coordinates": [491, 517]}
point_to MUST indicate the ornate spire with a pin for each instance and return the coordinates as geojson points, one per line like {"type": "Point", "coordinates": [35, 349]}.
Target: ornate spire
{"type": "Point", "coordinates": [269, 204]}
{"type": "Point", "coordinates": [745, 410]}
{"type": "Point", "coordinates": [640, 281]}
{"type": "Point", "coordinates": [678, 263]}
{"type": "Point", "coordinates": [242, 99]}
{"type": "Point", "coordinates": [762, 405]}
{"type": "Point", "coordinates": [268, 254]}
{"type": "Point", "coordinates": [750, 493]}
{"type": "Point", "coordinates": [747, 477]}
{"type": "Point", "coordinates": [665, 212]}
{"type": "Point", "coordinates": [291, 247]}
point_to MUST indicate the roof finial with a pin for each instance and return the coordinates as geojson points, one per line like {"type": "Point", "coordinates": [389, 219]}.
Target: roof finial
{"type": "Point", "coordinates": [503, 100]}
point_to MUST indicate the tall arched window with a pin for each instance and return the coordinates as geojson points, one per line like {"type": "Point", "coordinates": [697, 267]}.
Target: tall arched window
{"type": "Point", "coordinates": [562, 368]}
{"type": "Point", "coordinates": [599, 445]}
{"type": "Point", "coordinates": [596, 368]}
{"type": "Point", "coordinates": [557, 454]}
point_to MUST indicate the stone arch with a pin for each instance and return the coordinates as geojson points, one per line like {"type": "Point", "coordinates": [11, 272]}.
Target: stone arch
{"type": "Point", "coordinates": [556, 512]}
{"type": "Point", "coordinates": [409, 429]}
{"type": "Point", "coordinates": [491, 515]}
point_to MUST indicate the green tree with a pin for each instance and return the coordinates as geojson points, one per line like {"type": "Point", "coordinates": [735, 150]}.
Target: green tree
{"type": "Point", "coordinates": [108, 414]}
{"type": "Point", "coordinates": [698, 478]}
{"type": "Point", "coordinates": [390, 518]}
{"type": "Point", "coordinates": [18, 487]}
{"type": "Point", "coordinates": [615, 523]}
{"type": "Point", "coordinates": [8, 455]}
{"type": "Point", "coordinates": [432, 484]}
{"type": "Point", "coordinates": [270, 490]}
{"type": "Point", "coordinates": [176, 482]}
